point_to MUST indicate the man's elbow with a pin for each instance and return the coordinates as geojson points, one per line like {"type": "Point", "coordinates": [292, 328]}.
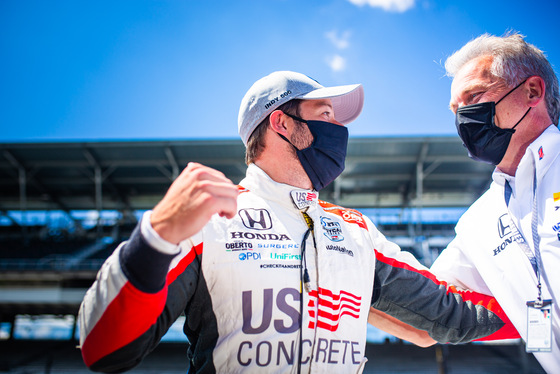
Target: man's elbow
{"type": "Point", "coordinates": [424, 341]}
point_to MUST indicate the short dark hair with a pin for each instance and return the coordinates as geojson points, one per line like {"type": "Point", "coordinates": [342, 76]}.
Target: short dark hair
{"type": "Point", "coordinates": [256, 143]}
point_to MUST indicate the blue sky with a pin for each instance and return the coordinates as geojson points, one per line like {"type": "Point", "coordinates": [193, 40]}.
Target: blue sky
{"type": "Point", "coordinates": [158, 70]}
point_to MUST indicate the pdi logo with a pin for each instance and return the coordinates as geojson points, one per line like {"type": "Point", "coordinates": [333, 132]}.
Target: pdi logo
{"type": "Point", "coordinates": [256, 219]}
{"type": "Point", "coordinates": [249, 256]}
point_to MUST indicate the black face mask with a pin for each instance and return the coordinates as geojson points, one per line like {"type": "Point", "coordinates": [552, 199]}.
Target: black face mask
{"type": "Point", "coordinates": [323, 160]}
{"type": "Point", "coordinates": [484, 140]}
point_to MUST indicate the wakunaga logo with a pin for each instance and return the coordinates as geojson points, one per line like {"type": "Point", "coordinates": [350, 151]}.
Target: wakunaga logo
{"type": "Point", "coordinates": [340, 249]}
{"type": "Point", "coordinates": [333, 230]}
{"type": "Point", "coordinates": [256, 219]}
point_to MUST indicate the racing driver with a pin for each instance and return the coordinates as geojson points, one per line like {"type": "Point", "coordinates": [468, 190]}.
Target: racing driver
{"type": "Point", "coordinates": [270, 278]}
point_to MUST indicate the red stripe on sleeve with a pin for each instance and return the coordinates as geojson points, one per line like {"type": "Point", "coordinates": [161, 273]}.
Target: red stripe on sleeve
{"type": "Point", "coordinates": [130, 315]}
{"type": "Point", "coordinates": [508, 331]}
{"type": "Point", "coordinates": [182, 265]}
{"type": "Point", "coordinates": [127, 317]}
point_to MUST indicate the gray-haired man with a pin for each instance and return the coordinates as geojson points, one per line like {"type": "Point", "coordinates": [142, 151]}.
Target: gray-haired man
{"type": "Point", "coordinates": [506, 100]}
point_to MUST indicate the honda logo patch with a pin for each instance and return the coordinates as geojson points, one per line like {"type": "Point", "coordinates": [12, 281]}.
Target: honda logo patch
{"type": "Point", "coordinates": [503, 225]}
{"type": "Point", "coordinates": [256, 219]}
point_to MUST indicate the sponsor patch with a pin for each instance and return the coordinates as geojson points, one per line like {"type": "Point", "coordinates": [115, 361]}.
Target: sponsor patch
{"type": "Point", "coordinates": [246, 256]}
{"type": "Point", "coordinates": [333, 230]}
{"type": "Point", "coordinates": [302, 199]}
{"type": "Point", "coordinates": [541, 153]}
{"type": "Point", "coordinates": [340, 249]}
{"type": "Point", "coordinates": [255, 219]}
{"type": "Point", "coordinates": [556, 229]}
{"type": "Point", "coordinates": [508, 232]}
{"type": "Point", "coordinates": [258, 236]}
{"type": "Point", "coordinates": [285, 256]}
{"type": "Point", "coordinates": [504, 227]}
{"type": "Point", "coordinates": [238, 246]}
{"type": "Point", "coordinates": [556, 196]}
{"type": "Point", "coordinates": [258, 309]}
{"type": "Point", "coordinates": [348, 215]}
{"type": "Point", "coordinates": [275, 245]}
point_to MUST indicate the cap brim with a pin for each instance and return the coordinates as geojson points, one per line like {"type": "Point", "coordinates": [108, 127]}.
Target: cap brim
{"type": "Point", "coordinates": [347, 101]}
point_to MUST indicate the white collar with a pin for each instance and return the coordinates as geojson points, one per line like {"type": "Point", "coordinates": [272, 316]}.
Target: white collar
{"type": "Point", "coordinates": [540, 155]}
{"type": "Point", "coordinates": [258, 182]}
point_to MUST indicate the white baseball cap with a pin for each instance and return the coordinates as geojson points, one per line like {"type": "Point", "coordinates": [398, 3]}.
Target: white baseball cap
{"type": "Point", "coordinates": [268, 93]}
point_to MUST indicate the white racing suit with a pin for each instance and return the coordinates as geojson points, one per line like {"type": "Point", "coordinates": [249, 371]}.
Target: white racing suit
{"type": "Point", "coordinates": [488, 254]}
{"type": "Point", "coordinates": [239, 283]}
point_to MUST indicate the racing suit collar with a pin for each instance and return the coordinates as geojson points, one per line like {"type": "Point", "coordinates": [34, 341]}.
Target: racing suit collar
{"type": "Point", "coordinates": [540, 155]}
{"type": "Point", "coordinates": [257, 181]}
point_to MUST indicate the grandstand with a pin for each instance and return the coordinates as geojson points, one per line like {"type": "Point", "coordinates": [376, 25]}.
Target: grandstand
{"type": "Point", "coordinates": [64, 207]}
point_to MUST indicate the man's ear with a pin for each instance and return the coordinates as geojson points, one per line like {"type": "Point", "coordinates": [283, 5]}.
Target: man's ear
{"type": "Point", "coordinates": [278, 122]}
{"type": "Point", "coordinates": [535, 88]}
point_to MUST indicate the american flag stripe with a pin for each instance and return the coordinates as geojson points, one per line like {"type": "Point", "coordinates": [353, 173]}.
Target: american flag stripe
{"type": "Point", "coordinates": [354, 312]}
{"type": "Point", "coordinates": [331, 307]}
{"type": "Point", "coordinates": [325, 292]}
{"type": "Point", "coordinates": [327, 326]}
{"type": "Point", "coordinates": [335, 306]}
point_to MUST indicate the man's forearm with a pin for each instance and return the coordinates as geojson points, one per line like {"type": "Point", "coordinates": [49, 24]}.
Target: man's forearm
{"type": "Point", "coordinates": [399, 329]}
